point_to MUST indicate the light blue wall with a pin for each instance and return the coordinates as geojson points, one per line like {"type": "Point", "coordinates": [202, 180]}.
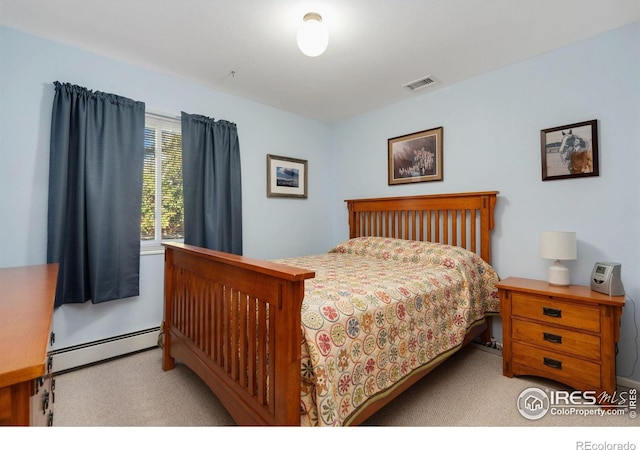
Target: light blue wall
{"type": "Point", "coordinates": [273, 228]}
{"type": "Point", "coordinates": [491, 142]}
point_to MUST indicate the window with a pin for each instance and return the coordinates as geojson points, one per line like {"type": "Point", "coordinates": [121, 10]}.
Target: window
{"type": "Point", "coordinates": [162, 205]}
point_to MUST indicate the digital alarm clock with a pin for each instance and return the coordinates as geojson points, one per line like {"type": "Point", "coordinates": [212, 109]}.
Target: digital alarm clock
{"type": "Point", "coordinates": [605, 278]}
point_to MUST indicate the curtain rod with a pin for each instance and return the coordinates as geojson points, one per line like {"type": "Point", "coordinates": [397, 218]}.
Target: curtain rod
{"type": "Point", "coordinates": [163, 115]}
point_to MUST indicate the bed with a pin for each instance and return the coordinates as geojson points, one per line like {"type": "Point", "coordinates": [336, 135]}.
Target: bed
{"type": "Point", "coordinates": [330, 339]}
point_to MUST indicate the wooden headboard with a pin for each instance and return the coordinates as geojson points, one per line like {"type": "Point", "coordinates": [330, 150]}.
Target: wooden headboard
{"type": "Point", "coordinates": [462, 219]}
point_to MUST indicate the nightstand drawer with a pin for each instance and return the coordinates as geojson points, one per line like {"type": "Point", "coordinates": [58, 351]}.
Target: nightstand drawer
{"type": "Point", "coordinates": [556, 366]}
{"type": "Point", "coordinates": [557, 339]}
{"type": "Point", "coordinates": [535, 307]}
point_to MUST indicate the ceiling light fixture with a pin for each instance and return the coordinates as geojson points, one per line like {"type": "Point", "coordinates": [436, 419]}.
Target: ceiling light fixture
{"type": "Point", "coordinates": [313, 37]}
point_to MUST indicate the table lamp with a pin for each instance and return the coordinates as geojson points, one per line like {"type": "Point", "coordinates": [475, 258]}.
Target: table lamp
{"type": "Point", "coordinates": [558, 245]}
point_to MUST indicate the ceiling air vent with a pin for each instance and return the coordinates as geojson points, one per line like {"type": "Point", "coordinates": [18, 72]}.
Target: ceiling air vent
{"type": "Point", "coordinates": [419, 84]}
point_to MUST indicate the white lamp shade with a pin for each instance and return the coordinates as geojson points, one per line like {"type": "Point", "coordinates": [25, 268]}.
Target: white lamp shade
{"type": "Point", "coordinates": [558, 245]}
{"type": "Point", "coordinates": [313, 36]}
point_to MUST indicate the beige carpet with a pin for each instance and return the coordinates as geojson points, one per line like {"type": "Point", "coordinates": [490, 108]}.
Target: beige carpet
{"type": "Point", "coordinates": [466, 391]}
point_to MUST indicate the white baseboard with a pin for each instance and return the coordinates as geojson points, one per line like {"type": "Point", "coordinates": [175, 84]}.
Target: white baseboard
{"type": "Point", "coordinates": [484, 348]}
{"type": "Point", "coordinates": [628, 382]}
{"type": "Point", "coordinates": [90, 353]}
{"type": "Point", "coordinates": [81, 355]}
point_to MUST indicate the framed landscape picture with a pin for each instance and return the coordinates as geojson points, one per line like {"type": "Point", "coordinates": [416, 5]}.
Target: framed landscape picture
{"type": "Point", "coordinates": [570, 151]}
{"type": "Point", "coordinates": [286, 177]}
{"type": "Point", "coordinates": [416, 157]}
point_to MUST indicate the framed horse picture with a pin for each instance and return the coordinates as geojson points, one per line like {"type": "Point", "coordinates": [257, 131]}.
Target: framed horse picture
{"type": "Point", "coordinates": [416, 157]}
{"type": "Point", "coordinates": [570, 151]}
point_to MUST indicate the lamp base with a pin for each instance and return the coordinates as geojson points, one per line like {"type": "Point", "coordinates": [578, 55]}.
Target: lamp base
{"type": "Point", "coordinates": [558, 275]}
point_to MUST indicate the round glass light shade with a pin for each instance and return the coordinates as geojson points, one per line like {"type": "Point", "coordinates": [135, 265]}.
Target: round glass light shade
{"type": "Point", "coordinates": [313, 37]}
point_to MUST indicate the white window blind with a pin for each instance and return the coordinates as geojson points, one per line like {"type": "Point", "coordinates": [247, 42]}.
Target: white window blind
{"type": "Point", "coordinates": [162, 201]}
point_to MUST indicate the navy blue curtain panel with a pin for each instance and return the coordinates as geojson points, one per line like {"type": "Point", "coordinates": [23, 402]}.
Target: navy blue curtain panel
{"type": "Point", "coordinates": [212, 184]}
{"type": "Point", "coordinates": [95, 194]}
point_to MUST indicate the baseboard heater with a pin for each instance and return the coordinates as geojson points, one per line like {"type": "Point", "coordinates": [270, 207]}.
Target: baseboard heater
{"type": "Point", "coordinates": [70, 358]}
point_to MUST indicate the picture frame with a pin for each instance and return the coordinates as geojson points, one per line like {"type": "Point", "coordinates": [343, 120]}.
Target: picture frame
{"type": "Point", "coordinates": [416, 157]}
{"type": "Point", "coordinates": [570, 151]}
{"type": "Point", "coordinates": [286, 177]}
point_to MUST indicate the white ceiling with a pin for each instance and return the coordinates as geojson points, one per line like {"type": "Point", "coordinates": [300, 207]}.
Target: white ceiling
{"type": "Point", "coordinates": [375, 46]}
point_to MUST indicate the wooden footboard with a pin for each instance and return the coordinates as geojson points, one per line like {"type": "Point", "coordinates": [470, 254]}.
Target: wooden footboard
{"type": "Point", "coordinates": [235, 321]}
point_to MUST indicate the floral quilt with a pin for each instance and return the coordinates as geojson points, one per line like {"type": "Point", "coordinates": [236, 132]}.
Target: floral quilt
{"type": "Point", "coordinates": [378, 310]}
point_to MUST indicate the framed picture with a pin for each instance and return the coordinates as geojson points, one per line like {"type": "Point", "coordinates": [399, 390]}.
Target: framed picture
{"type": "Point", "coordinates": [416, 157]}
{"type": "Point", "coordinates": [570, 151]}
{"type": "Point", "coordinates": [286, 177]}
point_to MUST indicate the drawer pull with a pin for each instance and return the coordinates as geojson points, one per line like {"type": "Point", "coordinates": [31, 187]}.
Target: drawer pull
{"type": "Point", "coordinates": [552, 312]}
{"type": "Point", "coordinates": [553, 338]}
{"type": "Point", "coordinates": [45, 402]}
{"type": "Point", "coordinates": [554, 363]}
{"type": "Point", "coordinates": [39, 382]}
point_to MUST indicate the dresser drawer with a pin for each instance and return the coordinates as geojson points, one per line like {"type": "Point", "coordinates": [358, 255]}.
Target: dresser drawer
{"type": "Point", "coordinates": [557, 366]}
{"type": "Point", "coordinates": [584, 317]}
{"type": "Point", "coordinates": [5, 405]}
{"type": "Point", "coordinates": [557, 339]}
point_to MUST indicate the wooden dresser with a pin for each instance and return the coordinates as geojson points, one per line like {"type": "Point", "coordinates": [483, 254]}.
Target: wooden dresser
{"type": "Point", "coordinates": [26, 308]}
{"type": "Point", "coordinates": [567, 334]}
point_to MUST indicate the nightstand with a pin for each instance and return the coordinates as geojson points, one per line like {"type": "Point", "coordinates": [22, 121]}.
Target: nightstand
{"type": "Point", "coordinates": [564, 333]}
